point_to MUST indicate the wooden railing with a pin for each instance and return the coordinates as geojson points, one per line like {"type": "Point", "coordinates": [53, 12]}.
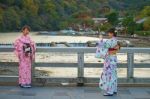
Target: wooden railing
{"type": "Point", "coordinates": [80, 65]}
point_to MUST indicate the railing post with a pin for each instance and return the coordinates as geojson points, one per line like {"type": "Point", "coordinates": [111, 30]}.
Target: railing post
{"type": "Point", "coordinates": [80, 69]}
{"type": "Point", "coordinates": [130, 68]}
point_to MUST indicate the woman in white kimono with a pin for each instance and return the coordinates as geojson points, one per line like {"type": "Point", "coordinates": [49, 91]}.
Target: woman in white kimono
{"type": "Point", "coordinates": [108, 79]}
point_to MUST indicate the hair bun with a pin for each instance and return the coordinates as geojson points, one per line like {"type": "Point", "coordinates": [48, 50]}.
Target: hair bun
{"type": "Point", "coordinates": [112, 30]}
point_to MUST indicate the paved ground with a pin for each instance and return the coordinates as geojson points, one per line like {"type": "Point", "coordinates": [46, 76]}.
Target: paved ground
{"type": "Point", "coordinates": [70, 93]}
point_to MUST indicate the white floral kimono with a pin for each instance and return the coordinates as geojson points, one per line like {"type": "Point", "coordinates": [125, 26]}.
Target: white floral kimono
{"type": "Point", "coordinates": [108, 78]}
{"type": "Point", "coordinates": [101, 51]}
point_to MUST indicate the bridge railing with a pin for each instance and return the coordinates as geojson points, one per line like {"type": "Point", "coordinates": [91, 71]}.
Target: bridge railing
{"type": "Point", "coordinates": [80, 65]}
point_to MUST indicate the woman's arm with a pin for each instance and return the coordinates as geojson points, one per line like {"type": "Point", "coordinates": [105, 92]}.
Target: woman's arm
{"type": "Point", "coordinates": [108, 44]}
{"type": "Point", "coordinates": [33, 46]}
{"type": "Point", "coordinates": [114, 50]}
{"type": "Point", "coordinates": [17, 48]}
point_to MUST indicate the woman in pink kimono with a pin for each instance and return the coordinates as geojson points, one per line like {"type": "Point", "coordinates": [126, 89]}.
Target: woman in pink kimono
{"type": "Point", "coordinates": [108, 78]}
{"type": "Point", "coordinates": [25, 51]}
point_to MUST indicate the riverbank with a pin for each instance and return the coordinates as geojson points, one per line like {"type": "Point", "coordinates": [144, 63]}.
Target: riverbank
{"type": "Point", "coordinates": [10, 38]}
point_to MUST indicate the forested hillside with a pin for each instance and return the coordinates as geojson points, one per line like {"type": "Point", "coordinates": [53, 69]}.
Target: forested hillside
{"type": "Point", "coordinates": [59, 14]}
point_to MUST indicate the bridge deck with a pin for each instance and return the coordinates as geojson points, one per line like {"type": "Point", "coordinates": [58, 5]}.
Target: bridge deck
{"type": "Point", "coordinates": [12, 92]}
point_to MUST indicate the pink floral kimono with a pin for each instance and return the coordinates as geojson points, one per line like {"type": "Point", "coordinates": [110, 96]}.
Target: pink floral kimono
{"type": "Point", "coordinates": [25, 60]}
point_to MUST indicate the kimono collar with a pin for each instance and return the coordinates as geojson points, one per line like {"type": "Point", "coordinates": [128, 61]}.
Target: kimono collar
{"type": "Point", "coordinates": [25, 39]}
{"type": "Point", "coordinates": [113, 38]}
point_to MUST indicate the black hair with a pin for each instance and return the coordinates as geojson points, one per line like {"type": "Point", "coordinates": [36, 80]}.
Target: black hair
{"type": "Point", "coordinates": [112, 30]}
{"type": "Point", "coordinates": [26, 27]}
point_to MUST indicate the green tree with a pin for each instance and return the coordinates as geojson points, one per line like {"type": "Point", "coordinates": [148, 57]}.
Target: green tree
{"type": "Point", "coordinates": [63, 25]}
{"type": "Point", "coordinates": [7, 2]}
{"type": "Point", "coordinates": [129, 25]}
{"type": "Point", "coordinates": [11, 19]}
{"type": "Point", "coordinates": [146, 24]}
{"type": "Point", "coordinates": [1, 19]}
{"type": "Point", "coordinates": [105, 27]}
{"type": "Point", "coordinates": [30, 7]}
{"type": "Point", "coordinates": [58, 14]}
{"type": "Point", "coordinates": [145, 12]}
{"type": "Point", "coordinates": [139, 27]}
{"type": "Point", "coordinates": [112, 18]}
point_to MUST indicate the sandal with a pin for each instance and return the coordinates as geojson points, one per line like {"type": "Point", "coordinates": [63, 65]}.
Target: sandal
{"type": "Point", "coordinates": [107, 94]}
{"type": "Point", "coordinates": [115, 93]}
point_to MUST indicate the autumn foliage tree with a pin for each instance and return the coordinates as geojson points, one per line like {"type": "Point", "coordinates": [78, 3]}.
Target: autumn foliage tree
{"type": "Point", "coordinates": [60, 14]}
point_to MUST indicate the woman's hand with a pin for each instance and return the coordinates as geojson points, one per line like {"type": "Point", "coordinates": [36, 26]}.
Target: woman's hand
{"type": "Point", "coordinates": [113, 52]}
{"type": "Point", "coordinates": [117, 47]}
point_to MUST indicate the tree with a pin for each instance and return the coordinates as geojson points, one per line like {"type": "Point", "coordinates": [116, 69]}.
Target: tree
{"type": "Point", "coordinates": [139, 27]}
{"type": "Point", "coordinates": [112, 18]}
{"type": "Point", "coordinates": [146, 25]}
{"type": "Point", "coordinates": [145, 12]}
{"type": "Point", "coordinates": [1, 19]}
{"type": "Point", "coordinates": [105, 27]}
{"type": "Point", "coordinates": [7, 2]}
{"type": "Point", "coordinates": [11, 19]}
{"type": "Point", "coordinates": [129, 25]}
{"type": "Point", "coordinates": [63, 25]}
{"type": "Point", "coordinates": [58, 14]}
{"type": "Point", "coordinates": [30, 7]}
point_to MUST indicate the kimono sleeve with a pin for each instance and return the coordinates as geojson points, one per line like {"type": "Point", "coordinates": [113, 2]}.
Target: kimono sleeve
{"type": "Point", "coordinates": [17, 49]}
{"type": "Point", "coordinates": [100, 43]}
{"type": "Point", "coordinates": [110, 43]}
{"type": "Point", "coordinates": [33, 46]}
